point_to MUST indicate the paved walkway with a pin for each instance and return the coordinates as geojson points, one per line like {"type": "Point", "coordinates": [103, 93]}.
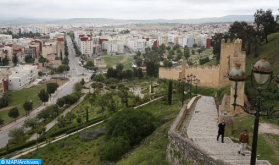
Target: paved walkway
{"type": "Point", "coordinates": [203, 131]}
{"type": "Point", "coordinates": [53, 122]}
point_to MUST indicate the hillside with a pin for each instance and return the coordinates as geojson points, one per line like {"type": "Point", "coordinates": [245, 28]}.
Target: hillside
{"type": "Point", "coordinates": [271, 95]}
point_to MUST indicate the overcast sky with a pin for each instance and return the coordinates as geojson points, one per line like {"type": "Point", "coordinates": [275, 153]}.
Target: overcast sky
{"type": "Point", "coordinates": [133, 9]}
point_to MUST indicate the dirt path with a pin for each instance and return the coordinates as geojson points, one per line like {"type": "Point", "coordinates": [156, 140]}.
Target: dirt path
{"type": "Point", "coordinates": [268, 128]}
{"type": "Point", "coordinates": [124, 60]}
{"type": "Point", "coordinates": [6, 108]}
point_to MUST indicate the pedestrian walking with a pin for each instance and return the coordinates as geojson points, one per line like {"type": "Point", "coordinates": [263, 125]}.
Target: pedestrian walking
{"type": "Point", "coordinates": [243, 140]}
{"type": "Point", "coordinates": [221, 130]}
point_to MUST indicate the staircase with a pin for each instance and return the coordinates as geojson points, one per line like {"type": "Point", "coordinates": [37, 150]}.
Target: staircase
{"type": "Point", "coordinates": [203, 129]}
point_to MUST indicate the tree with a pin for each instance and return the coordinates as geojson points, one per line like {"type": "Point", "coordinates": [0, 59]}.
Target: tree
{"type": "Point", "coordinates": [186, 52]}
{"type": "Point", "coordinates": [40, 73]}
{"type": "Point", "coordinates": [179, 55]}
{"type": "Point", "coordinates": [66, 61]}
{"type": "Point", "coordinates": [133, 124]}
{"type": "Point", "coordinates": [17, 134]}
{"type": "Point", "coordinates": [111, 106]}
{"type": "Point", "coordinates": [170, 57]}
{"type": "Point", "coordinates": [140, 74]}
{"type": "Point", "coordinates": [124, 95]}
{"type": "Point", "coordinates": [138, 54]}
{"type": "Point", "coordinates": [167, 63]}
{"type": "Point", "coordinates": [195, 45]}
{"type": "Point", "coordinates": [139, 61]}
{"type": "Point", "coordinates": [51, 88]}
{"type": "Point", "coordinates": [1, 121]}
{"type": "Point", "coordinates": [199, 51]}
{"type": "Point", "coordinates": [171, 52]}
{"type": "Point", "coordinates": [28, 106]}
{"type": "Point", "coordinates": [152, 68]}
{"type": "Point", "coordinates": [216, 44]}
{"type": "Point", "coordinates": [15, 60]}
{"type": "Point", "coordinates": [265, 21]}
{"type": "Point", "coordinates": [86, 110]}
{"type": "Point", "coordinates": [70, 116]}
{"type": "Point", "coordinates": [82, 81]}
{"type": "Point", "coordinates": [168, 48]}
{"type": "Point", "coordinates": [102, 101]}
{"type": "Point", "coordinates": [43, 95]}
{"type": "Point", "coordinates": [193, 51]}
{"type": "Point", "coordinates": [244, 32]}
{"type": "Point", "coordinates": [90, 64]}
{"type": "Point", "coordinates": [43, 114]}
{"type": "Point", "coordinates": [119, 66]}
{"type": "Point", "coordinates": [13, 113]}
{"type": "Point", "coordinates": [176, 46]}
{"type": "Point", "coordinates": [92, 99]}
{"type": "Point", "coordinates": [77, 87]}
{"type": "Point", "coordinates": [31, 122]}
{"type": "Point", "coordinates": [60, 102]}
{"type": "Point", "coordinates": [99, 78]}
{"type": "Point", "coordinates": [170, 93]}
{"type": "Point", "coordinates": [61, 121]}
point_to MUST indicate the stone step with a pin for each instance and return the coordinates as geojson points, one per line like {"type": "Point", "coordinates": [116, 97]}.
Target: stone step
{"type": "Point", "coordinates": [231, 157]}
{"type": "Point", "coordinates": [212, 140]}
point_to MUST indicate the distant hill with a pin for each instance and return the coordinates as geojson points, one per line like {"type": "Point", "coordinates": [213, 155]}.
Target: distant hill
{"type": "Point", "coordinates": [22, 21]}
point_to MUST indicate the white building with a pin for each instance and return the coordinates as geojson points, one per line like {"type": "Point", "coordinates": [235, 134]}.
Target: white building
{"type": "Point", "coordinates": [22, 76]}
{"type": "Point", "coordinates": [4, 37]}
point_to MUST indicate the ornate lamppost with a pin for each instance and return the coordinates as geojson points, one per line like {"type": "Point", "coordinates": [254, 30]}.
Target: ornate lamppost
{"type": "Point", "coordinates": [197, 82]}
{"type": "Point", "coordinates": [183, 80]}
{"type": "Point", "coordinates": [190, 79]}
{"type": "Point", "coordinates": [261, 71]}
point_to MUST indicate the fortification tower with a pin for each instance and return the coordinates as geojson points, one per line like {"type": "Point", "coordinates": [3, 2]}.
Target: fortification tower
{"type": "Point", "coordinates": [230, 55]}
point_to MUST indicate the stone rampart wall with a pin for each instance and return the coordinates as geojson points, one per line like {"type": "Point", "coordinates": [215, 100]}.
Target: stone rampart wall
{"type": "Point", "coordinates": [208, 75]}
{"type": "Point", "coordinates": [182, 150]}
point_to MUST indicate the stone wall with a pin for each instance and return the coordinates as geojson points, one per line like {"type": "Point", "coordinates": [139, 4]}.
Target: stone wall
{"type": "Point", "coordinates": [208, 75]}
{"type": "Point", "coordinates": [182, 150]}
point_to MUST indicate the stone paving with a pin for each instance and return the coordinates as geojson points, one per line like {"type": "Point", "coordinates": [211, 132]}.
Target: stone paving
{"type": "Point", "coordinates": [203, 129]}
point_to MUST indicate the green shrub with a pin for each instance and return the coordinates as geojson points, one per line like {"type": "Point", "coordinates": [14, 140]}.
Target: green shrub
{"type": "Point", "coordinates": [114, 148]}
{"type": "Point", "coordinates": [133, 124]}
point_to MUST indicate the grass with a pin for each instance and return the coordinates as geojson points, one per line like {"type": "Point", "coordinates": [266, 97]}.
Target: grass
{"type": "Point", "coordinates": [271, 95]}
{"type": "Point", "coordinates": [19, 97]}
{"type": "Point", "coordinates": [205, 91]}
{"type": "Point", "coordinates": [221, 92]}
{"type": "Point", "coordinates": [152, 150]}
{"type": "Point", "coordinates": [212, 62]}
{"type": "Point", "coordinates": [268, 146]}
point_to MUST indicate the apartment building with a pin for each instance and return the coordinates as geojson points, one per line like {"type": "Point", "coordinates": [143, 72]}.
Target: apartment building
{"type": "Point", "coordinates": [112, 47]}
{"type": "Point", "coordinates": [21, 76]}
{"type": "Point", "coordinates": [86, 46]}
{"type": "Point", "coordinates": [3, 38]}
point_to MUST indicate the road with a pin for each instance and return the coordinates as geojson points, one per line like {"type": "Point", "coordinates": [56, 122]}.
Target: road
{"type": "Point", "coordinates": [75, 72]}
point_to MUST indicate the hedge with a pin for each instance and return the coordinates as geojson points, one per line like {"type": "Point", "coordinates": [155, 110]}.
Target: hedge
{"type": "Point", "coordinates": [93, 121]}
{"type": "Point", "coordinates": [67, 130]}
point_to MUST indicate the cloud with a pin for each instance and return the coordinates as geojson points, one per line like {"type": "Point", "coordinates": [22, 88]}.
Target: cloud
{"type": "Point", "coordinates": [133, 9]}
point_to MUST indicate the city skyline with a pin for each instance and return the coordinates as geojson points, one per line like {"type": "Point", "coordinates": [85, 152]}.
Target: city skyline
{"type": "Point", "coordinates": [133, 9]}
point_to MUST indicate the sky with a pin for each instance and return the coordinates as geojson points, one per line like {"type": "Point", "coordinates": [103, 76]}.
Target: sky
{"type": "Point", "coordinates": [133, 9]}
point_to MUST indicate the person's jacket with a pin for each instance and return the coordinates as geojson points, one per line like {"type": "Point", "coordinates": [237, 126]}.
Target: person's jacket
{"type": "Point", "coordinates": [243, 138]}
{"type": "Point", "coordinates": [221, 128]}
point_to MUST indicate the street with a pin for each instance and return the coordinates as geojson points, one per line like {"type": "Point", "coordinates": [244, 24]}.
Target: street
{"type": "Point", "coordinates": [62, 91]}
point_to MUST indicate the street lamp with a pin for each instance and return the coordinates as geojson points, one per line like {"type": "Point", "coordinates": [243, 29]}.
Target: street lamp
{"type": "Point", "coordinates": [191, 78]}
{"type": "Point", "coordinates": [262, 71]}
{"type": "Point", "coordinates": [183, 80]}
{"type": "Point", "coordinates": [197, 82]}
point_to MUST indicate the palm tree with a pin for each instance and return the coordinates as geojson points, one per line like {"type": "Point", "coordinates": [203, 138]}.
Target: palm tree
{"type": "Point", "coordinates": [70, 116]}
{"type": "Point", "coordinates": [61, 121]}
{"type": "Point", "coordinates": [92, 99]}
{"type": "Point", "coordinates": [102, 101]}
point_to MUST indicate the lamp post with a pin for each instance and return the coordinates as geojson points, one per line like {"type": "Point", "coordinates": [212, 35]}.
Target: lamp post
{"type": "Point", "coordinates": [183, 80]}
{"type": "Point", "coordinates": [197, 82]}
{"type": "Point", "coordinates": [190, 79]}
{"type": "Point", "coordinates": [262, 71]}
